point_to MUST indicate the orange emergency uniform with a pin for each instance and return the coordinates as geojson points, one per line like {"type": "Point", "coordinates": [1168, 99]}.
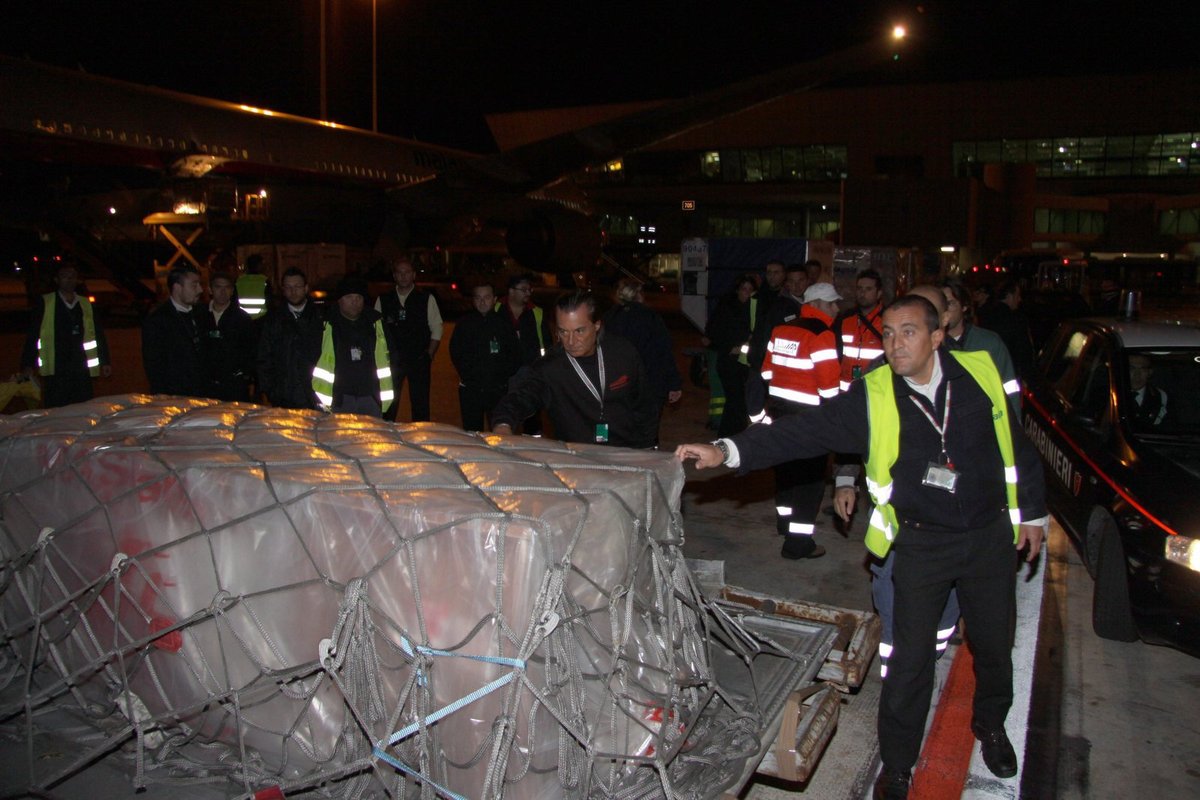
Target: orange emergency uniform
{"type": "Point", "coordinates": [862, 342]}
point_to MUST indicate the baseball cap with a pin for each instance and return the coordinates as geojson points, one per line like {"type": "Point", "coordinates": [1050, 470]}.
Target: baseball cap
{"type": "Point", "coordinates": [821, 291]}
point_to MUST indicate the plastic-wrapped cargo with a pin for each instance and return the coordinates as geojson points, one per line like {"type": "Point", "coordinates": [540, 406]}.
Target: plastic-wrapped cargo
{"type": "Point", "coordinates": [291, 599]}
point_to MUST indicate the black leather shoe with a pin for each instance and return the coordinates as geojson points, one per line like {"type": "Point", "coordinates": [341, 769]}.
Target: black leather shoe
{"type": "Point", "coordinates": [892, 785]}
{"type": "Point", "coordinates": [998, 752]}
{"type": "Point", "coordinates": [798, 547]}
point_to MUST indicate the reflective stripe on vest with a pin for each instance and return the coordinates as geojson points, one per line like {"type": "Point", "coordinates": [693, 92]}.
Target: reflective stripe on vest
{"type": "Point", "coordinates": [252, 294]}
{"type": "Point", "coordinates": [323, 373]}
{"type": "Point", "coordinates": [744, 352]}
{"type": "Point", "coordinates": [538, 316]}
{"type": "Point", "coordinates": [45, 342]}
{"type": "Point", "coordinates": [884, 422]}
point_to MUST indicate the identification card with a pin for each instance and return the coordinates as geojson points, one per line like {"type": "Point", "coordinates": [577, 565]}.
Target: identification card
{"type": "Point", "coordinates": [601, 432]}
{"type": "Point", "coordinates": [493, 347]}
{"type": "Point", "coordinates": [356, 354]}
{"type": "Point", "coordinates": [940, 476]}
{"type": "Point", "coordinates": [402, 315]}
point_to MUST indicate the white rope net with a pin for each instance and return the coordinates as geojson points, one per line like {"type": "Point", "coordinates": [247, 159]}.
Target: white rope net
{"type": "Point", "coordinates": [283, 601]}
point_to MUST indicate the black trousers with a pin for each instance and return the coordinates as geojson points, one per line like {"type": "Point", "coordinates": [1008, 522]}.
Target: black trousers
{"type": "Point", "coordinates": [982, 565]}
{"type": "Point", "coordinates": [799, 489]}
{"type": "Point", "coordinates": [476, 404]}
{"type": "Point", "coordinates": [62, 390]}
{"type": "Point", "coordinates": [417, 373]}
{"type": "Point", "coordinates": [733, 376]}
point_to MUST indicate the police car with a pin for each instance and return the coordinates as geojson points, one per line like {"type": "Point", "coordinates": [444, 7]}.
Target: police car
{"type": "Point", "coordinates": [1115, 413]}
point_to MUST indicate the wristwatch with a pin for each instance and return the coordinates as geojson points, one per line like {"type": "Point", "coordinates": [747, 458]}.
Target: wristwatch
{"type": "Point", "coordinates": [724, 448]}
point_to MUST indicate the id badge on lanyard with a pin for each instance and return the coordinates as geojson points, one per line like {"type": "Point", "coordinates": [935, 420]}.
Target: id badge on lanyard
{"type": "Point", "coordinates": [601, 429]}
{"type": "Point", "coordinates": [940, 474]}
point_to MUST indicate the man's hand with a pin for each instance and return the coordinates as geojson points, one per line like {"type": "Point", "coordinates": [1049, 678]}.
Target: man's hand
{"type": "Point", "coordinates": [503, 429]}
{"type": "Point", "coordinates": [1031, 535]}
{"type": "Point", "coordinates": [673, 397]}
{"type": "Point", "coordinates": [706, 455]}
{"type": "Point", "coordinates": [844, 500]}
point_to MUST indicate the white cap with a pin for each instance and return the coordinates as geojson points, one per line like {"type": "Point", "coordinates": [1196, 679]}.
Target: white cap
{"type": "Point", "coordinates": [821, 291]}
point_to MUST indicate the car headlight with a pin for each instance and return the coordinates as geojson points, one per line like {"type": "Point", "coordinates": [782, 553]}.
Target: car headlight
{"type": "Point", "coordinates": [1183, 550]}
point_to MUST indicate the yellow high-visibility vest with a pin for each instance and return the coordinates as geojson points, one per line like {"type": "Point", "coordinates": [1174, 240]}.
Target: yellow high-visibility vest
{"type": "Point", "coordinates": [45, 342]}
{"type": "Point", "coordinates": [884, 421]}
{"type": "Point", "coordinates": [323, 372]}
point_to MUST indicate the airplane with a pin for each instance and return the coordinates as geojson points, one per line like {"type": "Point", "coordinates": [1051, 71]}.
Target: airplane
{"type": "Point", "coordinates": [104, 164]}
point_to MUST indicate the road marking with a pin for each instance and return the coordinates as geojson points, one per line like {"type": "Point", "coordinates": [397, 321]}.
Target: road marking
{"type": "Point", "coordinates": [951, 765]}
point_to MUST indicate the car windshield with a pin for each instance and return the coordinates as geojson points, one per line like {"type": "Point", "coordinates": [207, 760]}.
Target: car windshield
{"type": "Point", "coordinates": [1161, 391]}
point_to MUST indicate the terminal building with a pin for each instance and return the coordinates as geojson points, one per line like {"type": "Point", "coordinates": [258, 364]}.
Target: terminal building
{"type": "Point", "coordinates": [949, 173]}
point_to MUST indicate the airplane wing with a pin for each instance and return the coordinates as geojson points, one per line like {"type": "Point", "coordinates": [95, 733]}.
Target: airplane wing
{"type": "Point", "coordinates": [539, 164]}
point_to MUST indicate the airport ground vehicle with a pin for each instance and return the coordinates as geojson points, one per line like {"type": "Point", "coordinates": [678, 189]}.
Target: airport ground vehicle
{"type": "Point", "coordinates": [1124, 483]}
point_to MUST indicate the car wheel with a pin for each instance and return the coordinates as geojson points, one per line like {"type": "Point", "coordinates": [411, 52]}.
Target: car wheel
{"type": "Point", "coordinates": [1100, 524]}
{"type": "Point", "coordinates": [1112, 616]}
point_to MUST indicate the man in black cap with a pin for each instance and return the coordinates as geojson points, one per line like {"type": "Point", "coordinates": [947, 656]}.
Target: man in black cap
{"type": "Point", "coordinates": [353, 374]}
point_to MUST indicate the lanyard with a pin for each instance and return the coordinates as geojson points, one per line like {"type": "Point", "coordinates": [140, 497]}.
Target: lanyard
{"type": "Point", "coordinates": [596, 393]}
{"type": "Point", "coordinates": [941, 429]}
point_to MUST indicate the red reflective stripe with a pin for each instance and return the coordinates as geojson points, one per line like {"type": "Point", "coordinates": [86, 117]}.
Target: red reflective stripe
{"type": "Point", "coordinates": [1120, 490]}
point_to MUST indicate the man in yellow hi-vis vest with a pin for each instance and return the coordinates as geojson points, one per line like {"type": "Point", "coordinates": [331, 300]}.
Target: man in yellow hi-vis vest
{"type": "Point", "coordinates": [353, 374]}
{"type": "Point", "coordinates": [956, 485]}
{"type": "Point", "coordinates": [65, 343]}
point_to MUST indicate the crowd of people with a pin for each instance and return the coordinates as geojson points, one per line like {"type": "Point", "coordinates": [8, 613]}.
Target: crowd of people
{"type": "Point", "coordinates": [606, 381]}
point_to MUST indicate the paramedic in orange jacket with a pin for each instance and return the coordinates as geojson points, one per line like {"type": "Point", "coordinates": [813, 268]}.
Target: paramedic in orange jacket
{"type": "Point", "coordinates": [860, 329]}
{"type": "Point", "coordinates": [801, 371]}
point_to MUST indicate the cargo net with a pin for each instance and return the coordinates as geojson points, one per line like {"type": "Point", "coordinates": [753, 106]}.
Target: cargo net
{"type": "Point", "coordinates": [289, 602]}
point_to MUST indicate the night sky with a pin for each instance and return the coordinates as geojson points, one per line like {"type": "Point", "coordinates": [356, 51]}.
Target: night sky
{"type": "Point", "coordinates": [444, 64]}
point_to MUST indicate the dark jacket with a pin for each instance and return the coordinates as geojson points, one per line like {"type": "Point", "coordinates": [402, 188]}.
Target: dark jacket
{"type": "Point", "coordinates": [648, 333]}
{"type": "Point", "coordinates": [229, 349]}
{"type": "Point", "coordinates": [1013, 329]}
{"type": "Point", "coordinates": [171, 352]}
{"type": "Point", "coordinates": [630, 408]}
{"type": "Point", "coordinates": [407, 326]}
{"type": "Point", "coordinates": [288, 348]}
{"type": "Point", "coordinates": [842, 425]}
{"type": "Point", "coordinates": [485, 350]}
{"type": "Point", "coordinates": [976, 338]}
{"type": "Point", "coordinates": [729, 326]}
{"type": "Point", "coordinates": [533, 340]}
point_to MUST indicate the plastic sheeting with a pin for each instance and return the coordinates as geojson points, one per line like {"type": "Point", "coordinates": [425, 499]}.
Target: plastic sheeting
{"type": "Point", "coordinates": [284, 598]}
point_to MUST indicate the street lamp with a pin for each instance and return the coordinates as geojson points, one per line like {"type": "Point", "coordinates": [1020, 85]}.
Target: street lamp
{"type": "Point", "coordinates": [374, 69]}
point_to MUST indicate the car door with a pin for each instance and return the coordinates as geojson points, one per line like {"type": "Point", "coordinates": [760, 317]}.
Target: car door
{"type": "Point", "coordinates": [1088, 429]}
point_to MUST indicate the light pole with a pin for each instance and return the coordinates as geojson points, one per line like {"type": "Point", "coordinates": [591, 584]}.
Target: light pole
{"type": "Point", "coordinates": [324, 92]}
{"type": "Point", "coordinates": [374, 69]}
